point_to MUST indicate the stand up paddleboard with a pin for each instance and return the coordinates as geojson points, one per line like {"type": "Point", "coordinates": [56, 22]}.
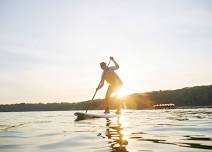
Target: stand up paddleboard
{"type": "Point", "coordinates": [82, 116]}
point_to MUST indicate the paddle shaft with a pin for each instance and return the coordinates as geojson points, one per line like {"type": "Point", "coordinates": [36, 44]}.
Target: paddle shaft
{"type": "Point", "coordinates": [91, 100]}
{"type": "Point", "coordinates": [95, 92]}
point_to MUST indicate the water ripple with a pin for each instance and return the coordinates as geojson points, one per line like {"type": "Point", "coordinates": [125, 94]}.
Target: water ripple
{"type": "Point", "coordinates": [134, 131]}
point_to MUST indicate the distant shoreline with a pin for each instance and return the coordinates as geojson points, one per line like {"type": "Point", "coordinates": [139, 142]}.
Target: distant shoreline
{"type": "Point", "coordinates": [185, 107]}
{"type": "Point", "coordinates": [192, 97]}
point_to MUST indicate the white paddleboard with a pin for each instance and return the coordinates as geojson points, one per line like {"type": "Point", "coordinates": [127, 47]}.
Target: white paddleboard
{"type": "Point", "coordinates": [81, 115]}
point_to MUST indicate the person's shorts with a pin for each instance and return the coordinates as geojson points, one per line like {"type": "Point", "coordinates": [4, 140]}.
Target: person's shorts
{"type": "Point", "coordinates": [116, 86]}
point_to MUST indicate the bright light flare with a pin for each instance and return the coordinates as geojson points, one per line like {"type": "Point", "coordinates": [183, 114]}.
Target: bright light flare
{"type": "Point", "coordinates": [122, 92]}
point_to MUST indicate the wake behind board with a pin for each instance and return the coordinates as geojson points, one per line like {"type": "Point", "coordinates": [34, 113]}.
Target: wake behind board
{"type": "Point", "coordinates": [81, 115]}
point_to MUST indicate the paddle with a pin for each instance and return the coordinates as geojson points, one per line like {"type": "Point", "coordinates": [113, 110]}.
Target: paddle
{"type": "Point", "coordinates": [95, 91]}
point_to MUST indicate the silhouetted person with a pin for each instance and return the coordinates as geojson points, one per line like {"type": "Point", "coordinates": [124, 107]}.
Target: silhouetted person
{"type": "Point", "coordinates": [112, 79]}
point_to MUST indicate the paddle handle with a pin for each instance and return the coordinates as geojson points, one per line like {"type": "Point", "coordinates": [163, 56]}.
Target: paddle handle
{"type": "Point", "coordinates": [109, 62]}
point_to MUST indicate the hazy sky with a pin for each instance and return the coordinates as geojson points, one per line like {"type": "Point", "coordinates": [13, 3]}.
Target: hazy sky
{"type": "Point", "coordinates": [50, 49]}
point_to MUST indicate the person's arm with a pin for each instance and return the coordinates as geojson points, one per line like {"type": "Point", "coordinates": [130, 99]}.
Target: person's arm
{"type": "Point", "coordinates": [116, 67]}
{"type": "Point", "coordinates": [101, 84]}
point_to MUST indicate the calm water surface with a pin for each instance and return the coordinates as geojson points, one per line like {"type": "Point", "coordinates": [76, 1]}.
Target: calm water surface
{"type": "Point", "coordinates": [179, 130]}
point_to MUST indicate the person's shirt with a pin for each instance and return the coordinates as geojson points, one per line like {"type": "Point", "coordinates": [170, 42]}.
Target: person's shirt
{"type": "Point", "coordinates": [110, 76]}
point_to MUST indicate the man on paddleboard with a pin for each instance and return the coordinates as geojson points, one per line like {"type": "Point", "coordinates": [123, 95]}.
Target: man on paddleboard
{"type": "Point", "coordinates": [110, 76]}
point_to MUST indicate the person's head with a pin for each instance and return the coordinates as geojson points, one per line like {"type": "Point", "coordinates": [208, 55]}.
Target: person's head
{"type": "Point", "coordinates": [103, 65]}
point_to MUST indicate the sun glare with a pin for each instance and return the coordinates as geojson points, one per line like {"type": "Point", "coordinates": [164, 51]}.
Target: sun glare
{"type": "Point", "coordinates": [123, 92]}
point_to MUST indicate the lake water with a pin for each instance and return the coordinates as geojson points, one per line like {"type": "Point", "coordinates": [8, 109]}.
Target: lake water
{"type": "Point", "coordinates": [178, 130]}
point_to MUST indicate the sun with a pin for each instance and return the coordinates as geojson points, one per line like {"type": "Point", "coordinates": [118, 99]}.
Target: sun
{"type": "Point", "coordinates": [123, 92]}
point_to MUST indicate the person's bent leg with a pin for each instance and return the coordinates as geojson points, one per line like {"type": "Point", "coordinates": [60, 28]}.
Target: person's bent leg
{"type": "Point", "coordinates": [118, 101]}
{"type": "Point", "coordinates": [107, 98]}
{"type": "Point", "coordinates": [118, 105]}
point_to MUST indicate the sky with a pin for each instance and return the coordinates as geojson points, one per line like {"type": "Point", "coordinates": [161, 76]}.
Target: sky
{"type": "Point", "coordinates": [50, 50]}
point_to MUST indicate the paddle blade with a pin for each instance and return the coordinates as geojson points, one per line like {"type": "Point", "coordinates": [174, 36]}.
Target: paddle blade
{"type": "Point", "coordinates": [82, 116]}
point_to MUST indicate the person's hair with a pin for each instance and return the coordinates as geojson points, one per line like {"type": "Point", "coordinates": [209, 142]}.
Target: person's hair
{"type": "Point", "coordinates": [102, 63]}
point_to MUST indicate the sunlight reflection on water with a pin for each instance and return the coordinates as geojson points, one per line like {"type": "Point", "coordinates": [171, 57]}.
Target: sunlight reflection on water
{"type": "Point", "coordinates": [135, 130]}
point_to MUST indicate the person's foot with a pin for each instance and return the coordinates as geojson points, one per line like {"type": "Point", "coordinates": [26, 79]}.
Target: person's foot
{"type": "Point", "coordinates": [107, 111]}
{"type": "Point", "coordinates": [118, 112]}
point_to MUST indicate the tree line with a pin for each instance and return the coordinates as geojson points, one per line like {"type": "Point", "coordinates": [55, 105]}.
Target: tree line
{"type": "Point", "coordinates": [189, 96]}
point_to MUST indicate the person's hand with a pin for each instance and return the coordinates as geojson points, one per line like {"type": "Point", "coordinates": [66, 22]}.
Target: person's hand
{"type": "Point", "coordinates": [111, 58]}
